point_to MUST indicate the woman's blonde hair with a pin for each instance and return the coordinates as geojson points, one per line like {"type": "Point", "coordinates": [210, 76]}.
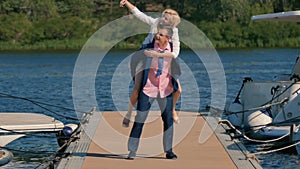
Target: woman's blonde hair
{"type": "Point", "coordinates": [174, 17]}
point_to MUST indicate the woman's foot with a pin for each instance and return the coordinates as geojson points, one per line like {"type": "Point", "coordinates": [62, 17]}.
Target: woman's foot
{"type": "Point", "coordinates": [126, 122]}
{"type": "Point", "coordinates": [175, 117]}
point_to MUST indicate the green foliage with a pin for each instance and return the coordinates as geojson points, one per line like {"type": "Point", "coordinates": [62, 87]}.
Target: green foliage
{"type": "Point", "coordinates": [13, 27]}
{"type": "Point", "coordinates": [67, 24]}
{"type": "Point", "coordinates": [79, 8]}
{"type": "Point", "coordinates": [7, 6]}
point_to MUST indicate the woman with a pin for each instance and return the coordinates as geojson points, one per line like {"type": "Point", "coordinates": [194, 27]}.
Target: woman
{"type": "Point", "coordinates": [170, 18]}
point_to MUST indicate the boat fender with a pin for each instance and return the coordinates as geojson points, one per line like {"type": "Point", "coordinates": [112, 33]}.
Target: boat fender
{"type": "Point", "coordinates": [65, 134]}
{"type": "Point", "coordinates": [258, 119]}
{"type": "Point", "coordinates": [69, 129]}
{"type": "Point", "coordinates": [5, 157]}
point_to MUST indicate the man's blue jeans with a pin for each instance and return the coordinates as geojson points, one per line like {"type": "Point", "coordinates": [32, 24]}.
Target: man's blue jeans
{"type": "Point", "coordinates": [143, 107]}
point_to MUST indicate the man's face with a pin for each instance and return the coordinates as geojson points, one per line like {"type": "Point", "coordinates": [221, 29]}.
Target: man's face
{"type": "Point", "coordinates": [161, 37]}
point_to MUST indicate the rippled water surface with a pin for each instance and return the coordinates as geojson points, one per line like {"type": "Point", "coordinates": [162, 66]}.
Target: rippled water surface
{"type": "Point", "coordinates": [47, 77]}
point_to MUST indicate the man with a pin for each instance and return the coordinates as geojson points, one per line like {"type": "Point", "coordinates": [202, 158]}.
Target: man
{"type": "Point", "coordinates": [157, 84]}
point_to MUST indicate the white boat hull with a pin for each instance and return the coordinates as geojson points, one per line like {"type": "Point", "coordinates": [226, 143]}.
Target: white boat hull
{"type": "Point", "coordinates": [13, 123]}
{"type": "Point", "coordinates": [28, 122]}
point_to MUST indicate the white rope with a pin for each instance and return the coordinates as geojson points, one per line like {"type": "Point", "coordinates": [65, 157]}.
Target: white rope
{"type": "Point", "coordinates": [252, 155]}
{"type": "Point", "coordinates": [264, 106]}
{"type": "Point", "coordinates": [249, 139]}
{"type": "Point", "coordinates": [265, 141]}
{"type": "Point", "coordinates": [272, 151]}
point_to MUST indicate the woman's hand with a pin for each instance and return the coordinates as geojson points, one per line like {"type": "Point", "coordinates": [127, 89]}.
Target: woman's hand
{"type": "Point", "coordinates": [122, 3]}
{"type": "Point", "coordinates": [150, 53]}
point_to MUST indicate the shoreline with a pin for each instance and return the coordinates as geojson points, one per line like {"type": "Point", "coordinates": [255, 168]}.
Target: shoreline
{"type": "Point", "coordinates": [77, 50]}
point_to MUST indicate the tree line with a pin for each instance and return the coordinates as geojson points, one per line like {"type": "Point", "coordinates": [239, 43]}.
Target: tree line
{"type": "Point", "coordinates": [67, 24]}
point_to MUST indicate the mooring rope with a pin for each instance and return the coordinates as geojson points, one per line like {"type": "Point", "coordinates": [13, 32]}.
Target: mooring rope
{"type": "Point", "coordinates": [249, 139]}
{"type": "Point", "coordinates": [265, 141]}
{"type": "Point", "coordinates": [54, 155]}
{"type": "Point", "coordinates": [264, 106]}
{"type": "Point", "coordinates": [252, 155]}
{"type": "Point", "coordinates": [40, 104]}
{"type": "Point", "coordinates": [34, 134]}
{"type": "Point", "coordinates": [43, 103]}
{"type": "Point", "coordinates": [272, 151]}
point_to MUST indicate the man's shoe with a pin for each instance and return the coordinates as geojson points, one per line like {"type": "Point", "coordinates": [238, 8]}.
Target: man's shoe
{"type": "Point", "coordinates": [171, 155]}
{"type": "Point", "coordinates": [131, 155]}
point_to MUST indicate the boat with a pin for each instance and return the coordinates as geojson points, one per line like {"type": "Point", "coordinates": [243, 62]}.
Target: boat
{"type": "Point", "coordinates": [14, 125]}
{"type": "Point", "coordinates": [269, 110]}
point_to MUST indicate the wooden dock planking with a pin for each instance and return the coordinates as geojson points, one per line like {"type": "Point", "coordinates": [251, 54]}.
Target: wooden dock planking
{"type": "Point", "coordinates": [219, 151]}
{"type": "Point", "coordinates": [191, 154]}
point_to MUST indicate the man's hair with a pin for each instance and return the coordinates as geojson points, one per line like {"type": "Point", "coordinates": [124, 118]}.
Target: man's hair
{"type": "Point", "coordinates": [168, 28]}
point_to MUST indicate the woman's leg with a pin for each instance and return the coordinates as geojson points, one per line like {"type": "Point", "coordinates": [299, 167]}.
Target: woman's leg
{"type": "Point", "coordinates": [176, 96]}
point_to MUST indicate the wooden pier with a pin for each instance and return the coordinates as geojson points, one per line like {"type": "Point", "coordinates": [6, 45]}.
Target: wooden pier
{"type": "Point", "coordinates": [107, 150]}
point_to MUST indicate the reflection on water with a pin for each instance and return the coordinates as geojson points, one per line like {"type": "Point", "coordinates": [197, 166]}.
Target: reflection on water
{"type": "Point", "coordinates": [47, 77]}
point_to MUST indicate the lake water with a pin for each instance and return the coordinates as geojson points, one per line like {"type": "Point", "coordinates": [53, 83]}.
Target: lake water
{"type": "Point", "coordinates": [47, 77]}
